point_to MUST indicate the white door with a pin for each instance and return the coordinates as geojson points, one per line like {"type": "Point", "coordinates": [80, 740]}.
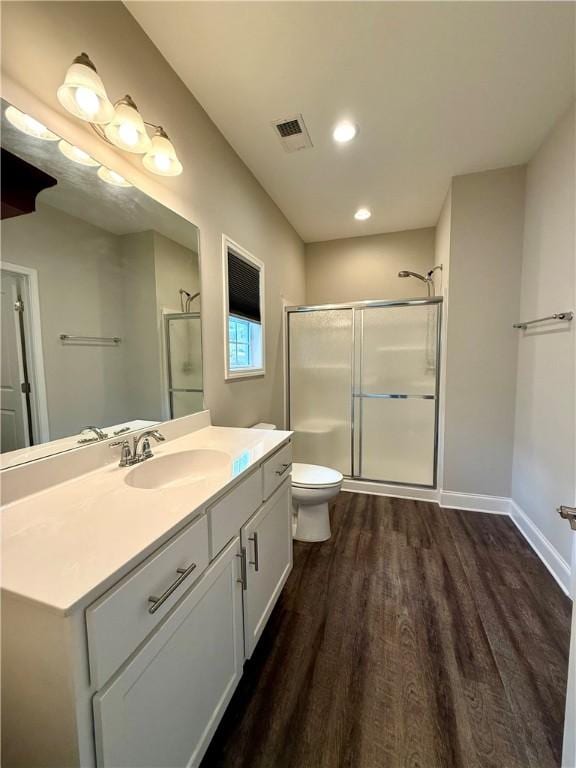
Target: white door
{"type": "Point", "coordinates": [267, 541]}
{"type": "Point", "coordinates": [163, 707]}
{"type": "Point", "coordinates": [14, 415]}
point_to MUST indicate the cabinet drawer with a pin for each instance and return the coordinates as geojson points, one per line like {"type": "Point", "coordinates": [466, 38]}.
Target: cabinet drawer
{"type": "Point", "coordinates": [230, 513]}
{"type": "Point", "coordinates": [119, 621]}
{"type": "Point", "coordinates": [276, 469]}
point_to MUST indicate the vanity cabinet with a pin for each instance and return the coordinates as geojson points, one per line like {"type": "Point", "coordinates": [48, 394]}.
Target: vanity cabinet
{"type": "Point", "coordinates": [140, 674]}
{"type": "Point", "coordinates": [163, 707]}
{"type": "Point", "coordinates": [267, 549]}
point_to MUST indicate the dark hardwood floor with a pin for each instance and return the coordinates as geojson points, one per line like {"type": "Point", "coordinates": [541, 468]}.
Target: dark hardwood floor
{"type": "Point", "coordinates": [416, 637]}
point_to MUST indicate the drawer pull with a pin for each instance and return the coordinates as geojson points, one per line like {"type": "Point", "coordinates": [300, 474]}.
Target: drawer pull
{"type": "Point", "coordinates": [158, 601]}
{"type": "Point", "coordinates": [285, 468]}
{"type": "Point", "coordinates": [254, 562]}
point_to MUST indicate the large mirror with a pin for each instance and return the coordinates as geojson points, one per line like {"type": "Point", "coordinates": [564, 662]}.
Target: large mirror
{"type": "Point", "coordinates": [101, 330]}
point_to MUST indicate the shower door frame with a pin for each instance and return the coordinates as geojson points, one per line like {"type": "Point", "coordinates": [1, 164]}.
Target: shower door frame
{"type": "Point", "coordinates": [354, 395]}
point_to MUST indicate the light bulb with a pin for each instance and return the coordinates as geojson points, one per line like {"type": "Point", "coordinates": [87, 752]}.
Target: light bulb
{"type": "Point", "coordinates": [128, 134]}
{"type": "Point", "coordinates": [87, 101]}
{"type": "Point", "coordinates": [344, 132]}
{"type": "Point", "coordinates": [162, 162]}
{"type": "Point", "coordinates": [362, 214]}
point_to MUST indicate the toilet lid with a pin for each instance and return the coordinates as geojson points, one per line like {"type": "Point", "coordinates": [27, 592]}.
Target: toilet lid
{"type": "Point", "coordinates": [313, 476]}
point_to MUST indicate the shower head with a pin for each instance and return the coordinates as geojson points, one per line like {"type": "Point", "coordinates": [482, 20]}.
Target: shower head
{"type": "Point", "coordinates": [407, 273]}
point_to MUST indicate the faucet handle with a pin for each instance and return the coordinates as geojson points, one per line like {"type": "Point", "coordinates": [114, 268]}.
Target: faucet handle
{"type": "Point", "coordinates": [146, 450]}
{"type": "Point", "coordinates": [126, 453]}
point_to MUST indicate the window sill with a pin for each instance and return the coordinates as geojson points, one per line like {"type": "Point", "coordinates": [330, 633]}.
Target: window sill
{"type": "Point", "coordinates": [249, 373]}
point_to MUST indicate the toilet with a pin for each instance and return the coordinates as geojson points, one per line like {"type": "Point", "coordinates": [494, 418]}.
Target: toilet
{"type": "Point", "coordinates": [312, 488]}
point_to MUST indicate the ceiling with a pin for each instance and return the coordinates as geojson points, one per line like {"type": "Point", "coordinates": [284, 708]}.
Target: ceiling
{"type": "Point", "coordinates": [437, 89]}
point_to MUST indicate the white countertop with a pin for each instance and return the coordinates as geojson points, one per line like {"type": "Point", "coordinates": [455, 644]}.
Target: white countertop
{"type": "Point", "coordinates": [65, 545]}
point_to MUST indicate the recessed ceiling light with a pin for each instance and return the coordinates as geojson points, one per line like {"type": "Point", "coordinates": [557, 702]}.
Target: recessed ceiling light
{"type": "Point", "coordinates": [111, 177]}
{"type": "Point", "coordinates": [344, 132]}
{"type": "Point", "coordinates": [29, 125]}
{"type": "Point", "coordinates": [362, 214]}
{"type": "Point", "coordinates": [76, 154]}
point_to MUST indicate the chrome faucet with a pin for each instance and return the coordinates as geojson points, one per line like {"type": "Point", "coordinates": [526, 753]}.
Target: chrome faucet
{"type": "Point", "coordinates": [130, 456]}
{"type": "Point", "coordinates": [99, 434]}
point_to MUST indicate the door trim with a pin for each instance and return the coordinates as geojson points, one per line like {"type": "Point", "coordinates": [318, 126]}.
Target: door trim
{"type": "Point", "coordinates": [32, 320]}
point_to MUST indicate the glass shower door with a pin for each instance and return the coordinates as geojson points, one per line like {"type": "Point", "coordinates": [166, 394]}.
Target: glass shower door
{"type": "Point", "coordinates": [395, 393]}
{"type": "Point", "coordinates": [184, 353]}
{"type": "Point", "coordinates": [320, 352]}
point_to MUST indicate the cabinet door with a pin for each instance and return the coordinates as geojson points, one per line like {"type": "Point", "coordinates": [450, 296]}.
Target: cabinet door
{"type": "Point", "coordinates": [267, 541]}
{"type": "Point", "coordinates": [162, 708]}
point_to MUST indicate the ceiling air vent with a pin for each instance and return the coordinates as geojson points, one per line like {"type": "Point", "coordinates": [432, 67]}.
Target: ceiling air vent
{"type": "Point", "coordinates": [292, 133]}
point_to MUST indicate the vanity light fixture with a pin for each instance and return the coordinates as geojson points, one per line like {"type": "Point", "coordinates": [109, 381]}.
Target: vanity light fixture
{"type": "Point", "coordinates": [111, 177]}
{"type": "Point", "coordinates": [362, 214]}
{"type": "Point", "coordinates": [120, 124]}
{"type": "Point", "coordinates": [76, 154]}
{"type": "Point", "coordinates": [29, 125]}
{"type": "Point", "coordinates": [344, 132]}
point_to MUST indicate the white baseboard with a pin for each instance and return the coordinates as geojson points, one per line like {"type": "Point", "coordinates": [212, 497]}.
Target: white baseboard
{"type": "Point", "coordinates": [549, 555]}
{"type": "Point", "coordinates": [399, 491]}
{"type": "Point", "coordinates": [475, 502]}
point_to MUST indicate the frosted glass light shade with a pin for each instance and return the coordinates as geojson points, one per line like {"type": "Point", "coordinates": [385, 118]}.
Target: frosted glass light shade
{"type": "Point", "coordinates": [76, 154]}
{"type": "Point", "coordinates": [83, 94]}
{"type": "Point", "coordinates": [126, 130]}
{"type": "Point", "coordinates": [161, 157]}
{"type": "Point", "coordinates": [29, 125]}
{"type": "Point", "coordinates": [111, 177]}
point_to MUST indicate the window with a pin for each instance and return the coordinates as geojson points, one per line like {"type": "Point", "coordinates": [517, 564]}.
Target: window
{"type": "Point", "coordinates": [244, 288]}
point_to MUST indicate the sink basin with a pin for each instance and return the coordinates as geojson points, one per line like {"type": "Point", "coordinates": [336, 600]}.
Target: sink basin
{"type": "Point", "coordinates": [178, 469]}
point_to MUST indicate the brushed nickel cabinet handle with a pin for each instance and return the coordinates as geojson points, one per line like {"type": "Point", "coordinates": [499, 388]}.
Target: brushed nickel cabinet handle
{"type": "Point", "coordinates": [254, 562]}
{"type": "Point", "coordinates": [285, 468]}
{"type": "Point", "coordinates": [158, 601]}
{"type": "Point", "coordinates": [243, 575]}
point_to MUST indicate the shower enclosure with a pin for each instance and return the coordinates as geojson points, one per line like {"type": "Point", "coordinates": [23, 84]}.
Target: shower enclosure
{"type": "Point", "coordinates": [184, 361]}
{"type": "Point", "coordinates": [363, 388]}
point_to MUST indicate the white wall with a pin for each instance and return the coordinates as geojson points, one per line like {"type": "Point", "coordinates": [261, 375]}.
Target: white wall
{"type": "Point", "coordinates": [544, 460]}
{"type": "Point", "coordinates": [80, 283]}
{"type": "Point", "coordinates": [216, 191]}
{"type": "Point", "coordinates": [359, 268]}
{"type": "Point", "coordinates": [141, 350]}
{"type": "Point", "coordinates": [486, 224]}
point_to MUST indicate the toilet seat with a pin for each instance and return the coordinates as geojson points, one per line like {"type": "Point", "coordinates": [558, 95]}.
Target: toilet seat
{"type": "Point", "coordinates": [315, 476]}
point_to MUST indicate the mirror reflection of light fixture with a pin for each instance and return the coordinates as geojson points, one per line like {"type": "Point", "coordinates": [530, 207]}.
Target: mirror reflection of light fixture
{"type": "Point", "coordinates": [126, 130]}
{"type": "Point", "coordinates": [76, 154]}
{"type": "Point", "coordinates": [111, 177]}
{"type": "Point", "coordinates": [161, 157]}
{"type": "Point", "coordinates": [29, 125]}
{"type": "Point", "coordinates": [83, 94]}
